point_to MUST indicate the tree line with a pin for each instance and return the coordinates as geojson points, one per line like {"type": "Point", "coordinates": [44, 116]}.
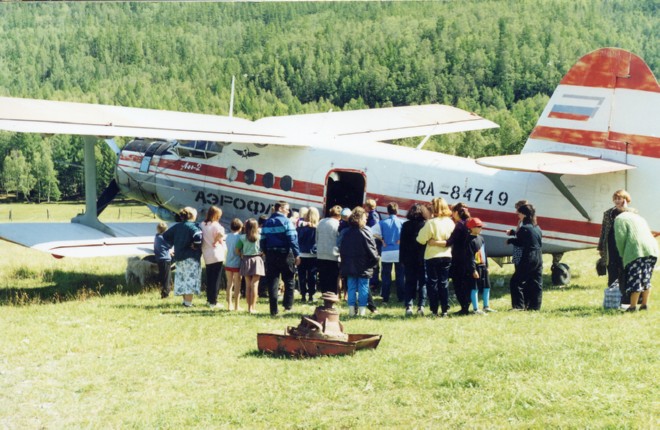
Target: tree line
{"type": "Point", "coordinates": [500, 59]}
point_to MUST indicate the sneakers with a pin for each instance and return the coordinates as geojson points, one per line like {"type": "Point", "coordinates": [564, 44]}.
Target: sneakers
{"type": "Point", "coordinates": [489, 310]}
{"type": "Point", "coordinates": [420, 312]}
{"type": "Point", "coordinates": [351, 311]}
{"type": "Point", "coordinates": [409, 311]}
{"type": "Point", "coordinates": [187, 305]}
{"type": "Point", "coordinates": [362, 311]}
{"type": "Point", "coordinates": [478, 312]}
{"type": "Point", "coordinates": [444, 315]}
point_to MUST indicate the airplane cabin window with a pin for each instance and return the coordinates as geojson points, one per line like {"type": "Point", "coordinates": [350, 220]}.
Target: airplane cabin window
{"type": "Point", "coordinates": [250, 176]}
{"type": "Point", "coordinates": [232, 173]}
{"type": "Point", "coordinates": [268, 180]}
{"type": "Point", "coordinates": [286, 183]}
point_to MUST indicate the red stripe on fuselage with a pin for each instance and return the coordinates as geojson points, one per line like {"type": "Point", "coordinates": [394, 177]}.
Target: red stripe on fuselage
{"type": "Point", "coordinates": [579, 228]}
{"type": "Point", "coordinates": [633, 144]}
{"type": "Point", "coordinates": [571, 116]}
{"type": "Point", "coordinates": [220, 173]}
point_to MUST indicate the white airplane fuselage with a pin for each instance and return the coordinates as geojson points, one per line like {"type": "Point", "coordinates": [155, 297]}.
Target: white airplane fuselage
{"type": "Point", "coordinates": [244, 180]}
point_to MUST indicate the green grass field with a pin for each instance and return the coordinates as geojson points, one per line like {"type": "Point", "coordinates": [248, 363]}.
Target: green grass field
{"type": "Point", "coordinates": [81, 349]}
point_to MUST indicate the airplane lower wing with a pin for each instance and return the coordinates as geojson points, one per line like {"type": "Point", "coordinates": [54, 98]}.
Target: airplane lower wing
{"type": "Point", "coordinates": [553, 163]}
{"type": "Point", "coordinates": [55, 238]}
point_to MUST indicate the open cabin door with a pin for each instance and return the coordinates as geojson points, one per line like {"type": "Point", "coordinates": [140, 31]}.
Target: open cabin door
{"type": "Point", "coordinates": [345, 188]}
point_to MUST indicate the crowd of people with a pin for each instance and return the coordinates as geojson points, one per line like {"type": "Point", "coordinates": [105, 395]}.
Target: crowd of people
{"type": "Point", "coordinates": [343, 252]}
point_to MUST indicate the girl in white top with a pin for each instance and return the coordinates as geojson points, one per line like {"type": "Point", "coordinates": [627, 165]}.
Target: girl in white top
{"type": "Point", "coordinates": [213, 251]}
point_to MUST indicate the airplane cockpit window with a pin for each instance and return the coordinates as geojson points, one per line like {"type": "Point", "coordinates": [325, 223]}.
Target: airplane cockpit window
{"type": "Point", "coordinates": [199, 148]}
{"type": "Point", "coordinates": [155, 147]}
{"type": "Point", "coordinates": [137, 145]}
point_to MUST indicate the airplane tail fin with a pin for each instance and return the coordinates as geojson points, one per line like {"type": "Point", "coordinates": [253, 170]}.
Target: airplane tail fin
{"type": "Point", "coordinates": [607, 109]}
{"type": "Point", "coordinates": [605, 106]}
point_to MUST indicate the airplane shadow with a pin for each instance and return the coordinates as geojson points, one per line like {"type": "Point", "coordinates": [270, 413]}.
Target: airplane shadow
{"type": "Point", "coordinates": [68, 286]}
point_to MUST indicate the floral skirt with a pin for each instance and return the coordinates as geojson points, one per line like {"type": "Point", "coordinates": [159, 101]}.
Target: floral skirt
{"type": "Point", "coordinates": [638, 274]}
{"type": "Point", "coordinates": [188, 277]}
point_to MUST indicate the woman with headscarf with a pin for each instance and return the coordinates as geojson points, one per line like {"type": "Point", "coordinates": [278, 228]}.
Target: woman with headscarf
{"type": "Point", "coordinates": [639, 253]}
{"type": "Point", "coordinates": [528, 275]}
{"type": "Point", "coordinates": [186, 237]}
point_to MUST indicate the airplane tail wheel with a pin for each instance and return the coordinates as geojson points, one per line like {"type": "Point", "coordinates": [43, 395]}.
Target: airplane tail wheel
{"type": "Point", "coordinates": [561, 274]}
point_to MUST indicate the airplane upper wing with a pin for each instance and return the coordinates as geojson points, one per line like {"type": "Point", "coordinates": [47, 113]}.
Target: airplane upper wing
{"type": "Point", "coordinates": [54, 238]}
{"type": "Point", "coordinates": [56, 117]}
{"type": "Point", "coordinates": [382, 124]}
{"type": "Point", "coordinates": [553, 163]}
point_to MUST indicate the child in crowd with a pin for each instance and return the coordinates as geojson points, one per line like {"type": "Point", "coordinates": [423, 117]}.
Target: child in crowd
{"type": "Point", "coordinates": [163, 252]}
{"type": "Point", "coordinates": [252, 264]}
{"type": "Point", "coordinates": [232, 265]}
{"type": "Point", "coordinates": [477, 276]}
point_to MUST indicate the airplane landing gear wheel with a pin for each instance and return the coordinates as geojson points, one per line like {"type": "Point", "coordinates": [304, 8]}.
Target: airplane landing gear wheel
{"type": "Point", "coordinates": [561, 274]}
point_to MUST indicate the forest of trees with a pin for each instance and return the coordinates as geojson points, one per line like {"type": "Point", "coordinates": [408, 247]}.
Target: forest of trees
{"type": "Point", "coordinates": [500, 59]}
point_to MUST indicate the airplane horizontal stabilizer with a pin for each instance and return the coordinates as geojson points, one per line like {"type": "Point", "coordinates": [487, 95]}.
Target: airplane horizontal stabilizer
{"type": "Point", "coordinates": [383, 124]}
{"type": "Point", "coordinates": [553, 163]}
{"type": "Point", "coordinates": [56, 238]}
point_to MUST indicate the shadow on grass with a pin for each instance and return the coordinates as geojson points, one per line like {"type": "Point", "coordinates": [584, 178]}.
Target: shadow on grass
{"type": "Point", "coordinates": [583, 311]}
{"type": "Point", "coordinates": [68, 286]}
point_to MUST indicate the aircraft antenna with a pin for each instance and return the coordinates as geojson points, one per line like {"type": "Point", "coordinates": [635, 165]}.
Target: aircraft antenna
{"type": "Point", "coordinates": [231, 98]}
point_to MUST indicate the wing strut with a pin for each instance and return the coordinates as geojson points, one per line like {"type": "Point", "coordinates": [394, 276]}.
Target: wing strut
{"type": "Point", "coordinates": [556, 181]}
{"type": "Point", "coordinates": [89, 218]}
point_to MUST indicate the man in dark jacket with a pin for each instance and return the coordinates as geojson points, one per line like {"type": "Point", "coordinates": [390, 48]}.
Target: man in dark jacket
{"type": "Point", "coordinates": [278, 238]}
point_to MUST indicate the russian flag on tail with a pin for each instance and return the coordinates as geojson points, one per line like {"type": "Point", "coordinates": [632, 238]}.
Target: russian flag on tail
{"type": "Point", "coordinates": [576, 108]}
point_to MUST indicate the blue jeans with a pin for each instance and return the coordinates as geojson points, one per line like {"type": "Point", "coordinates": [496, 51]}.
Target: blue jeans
{"type": "Point", "coordinates": [359, 287]}
{"type": "Point", "coordinates": [437, 277]}
{"type": "Point", "coordinates": [415, 285]}
{"type": "Point", "coordinates": [386, 276]}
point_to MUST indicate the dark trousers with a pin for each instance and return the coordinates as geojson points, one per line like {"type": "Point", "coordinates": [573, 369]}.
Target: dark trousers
{"type": "Point", "coordinates": [461, 288]}
{"type": "Point", "coordinates": [165, 277]}
{"type": "Point", "coordinates": [437, 278]}
{"type": "Point", "coordinates": [516, 289]}
{"type": "Point", "coordinates": [386, 276]}
{"type": "Point", "coordinates": [307, 273]}
{"type": "Point", "coordinates": [527, 286]}
{"type": "Point", "coordinates": [278, 264]}
{"type": "Point", "coordinates": [328, 274]}
{"type": "Point", "coordinates": [415, 285]}
{"type": "Point", "coordinates": [213, 272]}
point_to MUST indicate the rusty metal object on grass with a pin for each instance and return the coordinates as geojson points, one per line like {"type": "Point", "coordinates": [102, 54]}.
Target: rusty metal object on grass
{"type": "Point", "coordinates": [318, 334]}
